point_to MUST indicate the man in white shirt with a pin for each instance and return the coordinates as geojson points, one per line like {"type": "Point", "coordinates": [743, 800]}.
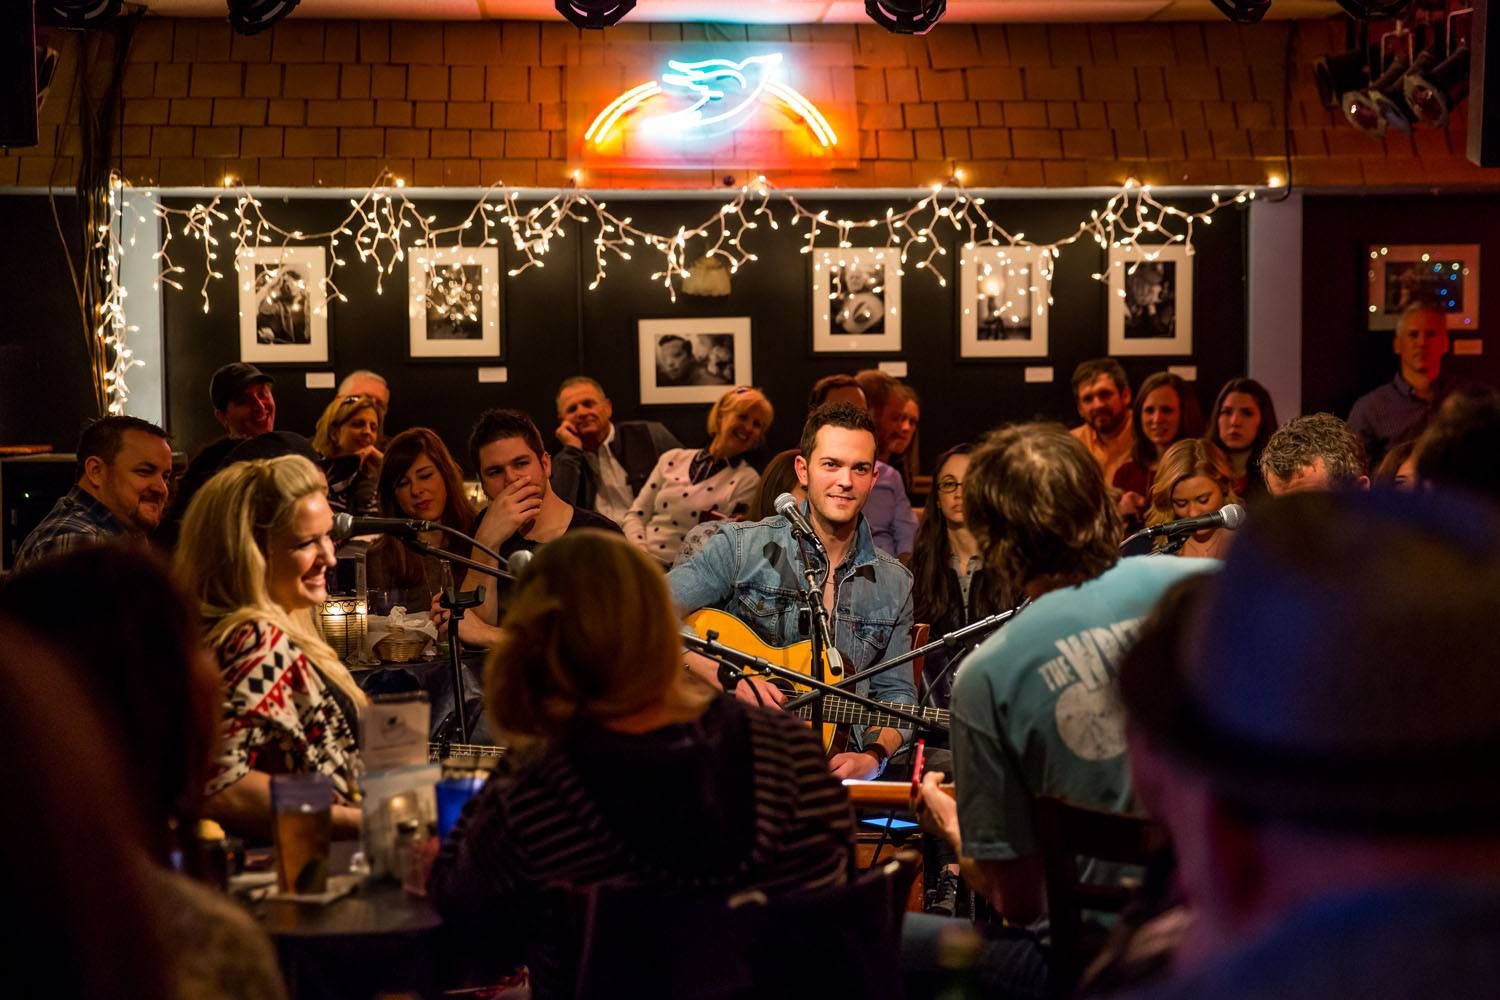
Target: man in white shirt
{"type": "Point", "coordinates": [602, 464]}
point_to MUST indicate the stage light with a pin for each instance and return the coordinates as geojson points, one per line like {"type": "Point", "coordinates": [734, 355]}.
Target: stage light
{"type": "Point", "coordinates": [77, 13]}
{"type": "Point", "coordinates": [1433, 93]}
{"type": "Point", "coordinates": [906, 17]}
{"type": "Point", "coordinates": [1381, 105]}
{"type": "Point", "coordinates": [250, 17]}
{"type": "Point", "coordinates": [1338, 75]}
{"type": "Point", "coordinates": [1243, 11]}
{"type": "Point", "coordinates": [594, 13]}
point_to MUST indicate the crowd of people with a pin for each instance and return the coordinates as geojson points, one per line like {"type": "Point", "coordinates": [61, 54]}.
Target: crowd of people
{"type": "Point", "coordinates": [1303, 702]}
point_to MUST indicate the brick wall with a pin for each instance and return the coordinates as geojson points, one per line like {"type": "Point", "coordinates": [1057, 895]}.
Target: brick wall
{"type": "Point", "coordinates": [329, 103]}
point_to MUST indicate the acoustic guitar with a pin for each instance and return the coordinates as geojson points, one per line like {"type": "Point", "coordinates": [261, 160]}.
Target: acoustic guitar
{"type": "Point", "coordinates": [838, 713]}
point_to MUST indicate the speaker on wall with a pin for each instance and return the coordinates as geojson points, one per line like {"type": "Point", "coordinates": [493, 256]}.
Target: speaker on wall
{"type": "Point", "coordinates": [18, 73]}
{"type": "Point", "coordinates": [1484, 91]}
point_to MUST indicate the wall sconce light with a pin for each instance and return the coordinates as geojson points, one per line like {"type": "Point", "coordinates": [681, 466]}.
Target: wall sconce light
{"type": "Point", "coordinates": [594, 13]}
{"type": "Point", "coordinates": [250, 17]}
{"type": "Point", "coordinates": [906, 17]}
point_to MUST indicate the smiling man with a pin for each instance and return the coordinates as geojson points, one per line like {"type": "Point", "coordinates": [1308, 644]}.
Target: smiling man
{"type": "Point", "coordinates": [123, 466]}
{"type": "Point", "coordinates": [1102, 394]}
{"type": "Point", "coordinates": [756, 565]}
{"type": "Point", "coordinates": [1398, 409]}
{"type": "Point", "coordinates": [602, 464]}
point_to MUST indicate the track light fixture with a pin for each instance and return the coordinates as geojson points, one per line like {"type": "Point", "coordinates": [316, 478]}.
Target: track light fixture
{"type": "Point", "coordinates": [1374, 10]}
{"type": "Point", "coordinates": [1340, 74]}
{"type": "Point", "coordinates": [1243, 11]}
{"type": "Point", "coordinates": [250, 17]}
{"type": "Point", "coordinates": [907, 17]}
{"type": "Point", "coordinates": [77, 13]}
{"type": "Point", "coordinates": [1381, 105]}
{"type": "Point", "coordinates": [1432, 94]}
{"type": "Point", "coordinates": [594, 13]}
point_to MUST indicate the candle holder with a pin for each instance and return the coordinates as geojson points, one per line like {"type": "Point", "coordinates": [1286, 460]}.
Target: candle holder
{"type": "Point", "coordinates": [344, 622]}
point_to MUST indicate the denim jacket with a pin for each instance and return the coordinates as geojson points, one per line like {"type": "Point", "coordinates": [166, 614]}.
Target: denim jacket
{"type": "Point", "coordinates": [752, 570]}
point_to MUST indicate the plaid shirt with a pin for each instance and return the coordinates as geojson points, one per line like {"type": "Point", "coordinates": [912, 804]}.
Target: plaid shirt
{"type": "Point", "coordinates": [77, 519]}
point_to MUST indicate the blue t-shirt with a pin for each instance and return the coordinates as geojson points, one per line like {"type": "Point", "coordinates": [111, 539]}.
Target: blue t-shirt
{"type": "Point", "coordinates": [1036, 710]}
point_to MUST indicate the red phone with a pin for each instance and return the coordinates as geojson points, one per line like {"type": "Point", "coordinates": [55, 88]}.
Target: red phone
{"type": "Point", "coordinates": [916, 768]}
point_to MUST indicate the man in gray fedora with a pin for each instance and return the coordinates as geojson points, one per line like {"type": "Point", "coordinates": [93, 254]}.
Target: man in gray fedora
{"type": "Point", "coordinates": [1323, 750]}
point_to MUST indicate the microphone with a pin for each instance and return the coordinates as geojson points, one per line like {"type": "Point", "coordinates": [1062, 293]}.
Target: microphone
{"type": "Point", "coordinates": [348, 525]}
{"type": "Point", "coordinates": [786, 505]}
{"type": "Point", "coordinates": [518, 561]}
{"type": "Point", "coordinates": [1228, 517]}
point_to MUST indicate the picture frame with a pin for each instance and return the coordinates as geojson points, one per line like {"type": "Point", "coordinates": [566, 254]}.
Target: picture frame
{"type": "Point", "coordinates": [1447, 273]}
{"type": "Point", "coordinates": [283, 302]}
{"type": "Point", "coordinates": [453, 302]}
{"type": "Point", "coordinates": [856, 300]}
{"type": "Point", "coordinates": [997, 296]}
{"type": "Point", "coordinates": [1150, 300]}
{"type": "Point", "coordinates": [693, 361]}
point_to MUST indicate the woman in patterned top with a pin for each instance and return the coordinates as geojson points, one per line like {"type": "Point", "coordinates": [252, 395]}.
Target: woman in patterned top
{"type": "Point", "coordinates": [721, 797]}
{"type": "Point", "coordinates": [254, 550]}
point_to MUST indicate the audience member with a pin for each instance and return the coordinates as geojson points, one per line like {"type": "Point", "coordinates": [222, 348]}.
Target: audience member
{"type": "Point", "coordinates": [837, 389]}
{"type": "Point", "coordinates": [122, 467]}
{"type": "Point", "coordinates": [950, 585]}
{"type": "Point", "coordinates": [1164, 412]}
{"type": "Point", "coordinates": [255, 552]}
{"type": "Point", "coordinates": [366, 383]}
{"type": "Point", "coordinates": [1400, 407]}
{"type": "Point", "coordinates": [690, 485]}
{"type": "Point", "coordinates": [418, 479]}
{"type": "Point", "coordinates": [1461, 447]}
{"type": "Point", "coordinates": [346, 436]}
{"type": "Point", "coordinates": [1243, 420]}
{"type": "Point", "coordinates": [1193, 479]}
{"type": "Point", "coordinates": [1314, 452]}
{"type": "Point", "coordinates": [893, 523]}
{"type": "Point", "coordinates": [138, 654]}
{"type": "Point", "coordinates": [722, 798]}
{"type": "Point", "coordinates": [1034, 709]}
{"type": "Point", "coordinates": [603, 463]}
{"type": "Point", "coordinates": [780, 477]}
{"type": "Point", "coordinates": [1398, 470]}
{"type": "Point", "coordinates": [1325, 773]}
{"type": "Point", "coordinates": [1102, 394]}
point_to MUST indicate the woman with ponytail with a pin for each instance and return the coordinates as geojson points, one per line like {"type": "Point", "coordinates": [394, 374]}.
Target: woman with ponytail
{"type": "Point", "coordinates": [254, 550]}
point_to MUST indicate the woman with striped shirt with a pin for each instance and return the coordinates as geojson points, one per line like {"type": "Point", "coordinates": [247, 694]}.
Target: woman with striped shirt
{"type": "Point", "coordinates": [628, 770]}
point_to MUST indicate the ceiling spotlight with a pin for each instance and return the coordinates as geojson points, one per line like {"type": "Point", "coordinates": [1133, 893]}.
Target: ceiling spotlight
{"type": "Point", "coordinates": [594, 13]}
{"type": "Point", "coordinates": [1243, 11]}
{"type": "Point", "coordinates": [76, 13]}
{"type": "Point", "coordinates": [250, 17]}
{"type": "Point", "coordinates": [1433, 93]}
{"type": "Point", "coordinates": [1381, 105]}
{"type": "Point", "coordinates": [906, 17]}
{"type": "Point", "coordinates": [1340, 74]}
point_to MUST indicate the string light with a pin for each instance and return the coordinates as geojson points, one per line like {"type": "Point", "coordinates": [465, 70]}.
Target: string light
{"type": "Point", "coordinates": [384, 224]}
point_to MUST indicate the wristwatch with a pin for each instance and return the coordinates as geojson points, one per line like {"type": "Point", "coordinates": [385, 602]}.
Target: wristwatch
{"type": "Point", "coordinates": [882, 756]}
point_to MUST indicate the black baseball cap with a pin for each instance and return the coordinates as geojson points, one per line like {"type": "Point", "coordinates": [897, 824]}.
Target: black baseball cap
{"type": "Point", "coordinates": [231, 380]}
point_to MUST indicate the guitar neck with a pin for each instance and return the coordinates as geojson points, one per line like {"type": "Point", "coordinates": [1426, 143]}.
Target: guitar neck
{"type": "Point", "coordinates": [439, 752]}
{"type": "Point", "coordinates": [838, 711]}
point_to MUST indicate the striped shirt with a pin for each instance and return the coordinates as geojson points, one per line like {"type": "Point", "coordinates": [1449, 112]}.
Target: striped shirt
{"type": "Point", "coordinates": [740, 799]}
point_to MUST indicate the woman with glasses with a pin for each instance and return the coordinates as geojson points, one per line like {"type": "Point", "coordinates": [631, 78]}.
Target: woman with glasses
{"type": "Point", "coordinates": [692, 485]}
{"type": "Point", "coordinates": [951, 586]}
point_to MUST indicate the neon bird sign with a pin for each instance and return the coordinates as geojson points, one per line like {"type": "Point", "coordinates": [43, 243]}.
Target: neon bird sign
{"type": "Point", "coordinates": [723, 93]}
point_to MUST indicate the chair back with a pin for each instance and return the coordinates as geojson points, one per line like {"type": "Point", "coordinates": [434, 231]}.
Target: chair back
{"type": "Point", "coordinates": [1067, 833]}
{"type": "Point", "coordinates": [631, 941]}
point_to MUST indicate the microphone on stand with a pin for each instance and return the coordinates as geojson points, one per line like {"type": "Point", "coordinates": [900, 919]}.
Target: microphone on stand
{"type": "Point", "coordinates": [1229, 517]}
{"type": "Point", "coordinates": [786, 505]}
{"type": "Point", "coordinates": [348, 525]}
{"type": "Point", "coordinates": [518, 561]}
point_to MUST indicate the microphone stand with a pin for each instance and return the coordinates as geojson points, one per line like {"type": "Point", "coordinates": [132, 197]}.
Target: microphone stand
{"type": "Point", "coordinates": [811, 592]}
{"type": "Point", "coordinates": [456, 602]}
{"type": "Point", "coordinates": [953, 640]}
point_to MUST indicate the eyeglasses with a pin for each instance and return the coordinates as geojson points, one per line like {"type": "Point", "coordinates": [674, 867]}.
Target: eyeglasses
{"type": "Point", "coordinates": [946, 486]}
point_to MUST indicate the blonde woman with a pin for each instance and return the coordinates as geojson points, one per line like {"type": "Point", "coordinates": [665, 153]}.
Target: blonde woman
{"type": "Point", "coordinates": [722, 797]}
{"type": "Point", "coordinates": [346, 435]}
{"type": "Point", "coordinates": [1193, 478]}
{"type": "Point", "coordinates": [254, 549]}
{"type": "Point", "coordinates": [692, 485]}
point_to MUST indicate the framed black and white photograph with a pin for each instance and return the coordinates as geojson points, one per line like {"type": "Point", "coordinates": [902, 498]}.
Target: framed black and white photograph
{"type": "Point", "coordinates": [453, 301]}
{"type": "Point", "coordinates": [856, 301]}
{"type": "Point", "coordinates": [1446, 275]}
{"type": "Point", "coordinates": [283, 305]}
{"type": "Point", "coordinates": [1150, 300]}
{"type": "Point", "coordinates": [693, 360]}
{"type": "Point", "coordinates": [1002, 302]}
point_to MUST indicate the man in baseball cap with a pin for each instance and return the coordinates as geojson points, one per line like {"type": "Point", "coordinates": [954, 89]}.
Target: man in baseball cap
{"type": "Point", "coordinates": [243, 401]}
{"type": "Point", "coordinates": [1321, 741]}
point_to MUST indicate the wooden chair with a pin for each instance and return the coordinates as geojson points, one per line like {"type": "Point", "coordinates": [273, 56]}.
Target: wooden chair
{"type": "Point", "coordinates": [632, 942]}
{"type": "Point", "coordinates": [1066, 833]}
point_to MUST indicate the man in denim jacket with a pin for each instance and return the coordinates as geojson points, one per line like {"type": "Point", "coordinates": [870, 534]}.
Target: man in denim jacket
{"type": "Point", "coordinates": [752, 571]}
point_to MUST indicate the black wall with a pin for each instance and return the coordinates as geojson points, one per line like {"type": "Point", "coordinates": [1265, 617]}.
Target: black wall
{"type": "Point", "coordinates": [1341, 357]}
{"type": "Point", "coordinates": [45, 393]}
{"type": "Point", "coordinates": [554, 327]}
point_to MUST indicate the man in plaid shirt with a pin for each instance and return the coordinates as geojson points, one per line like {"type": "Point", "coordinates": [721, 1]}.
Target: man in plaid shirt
{"type": "Point", "coordinates": [123, 465]}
